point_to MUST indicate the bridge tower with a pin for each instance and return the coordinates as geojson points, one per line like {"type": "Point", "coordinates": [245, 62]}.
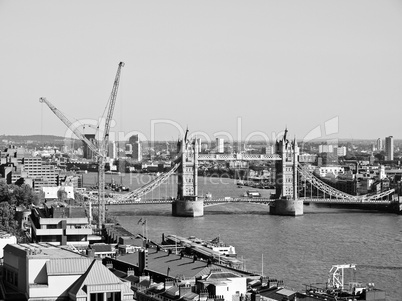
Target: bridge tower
{"type": "Point", "coordinates": [287, 202]}
{"type": "Point", "coordinates": [187, 202]}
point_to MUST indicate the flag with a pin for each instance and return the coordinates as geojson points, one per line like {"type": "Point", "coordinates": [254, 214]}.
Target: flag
{"type": "Point", "coordinates": [144, 222]}
{"type": "Point", "coordinates": [140, 221]}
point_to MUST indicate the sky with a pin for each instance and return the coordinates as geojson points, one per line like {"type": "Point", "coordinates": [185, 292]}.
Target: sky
{"type": "Point", "coordinates": [231, 69]}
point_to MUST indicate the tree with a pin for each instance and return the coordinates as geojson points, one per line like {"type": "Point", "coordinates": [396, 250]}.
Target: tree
{"type": "Point", "coordinates": [380, 156]}
{"type": "Point", "coordinates": [21, 195]}
{"type": "Point", "coordinates": [7, 215]}
{"type": "Point", "coordinates": [36, 199]}
{"type": "Point", "coordinates": [4, 194]}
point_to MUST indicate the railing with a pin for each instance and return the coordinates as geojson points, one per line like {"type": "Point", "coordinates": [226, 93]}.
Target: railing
{"type": "Point", "coordinates": [343, 201]}
{"type": "Point", "coordinates": [206, 201]}
{"type": "Point", "coordinates": [238, 157]}
{"type": "Point", "coordinates": [78, 231]}
{"type": "Point", "coordinates": [265, 201]}
{"type": "Point", "coordinates": [49, 231]}
{"type": "Point", "coordinates": [140, 202]}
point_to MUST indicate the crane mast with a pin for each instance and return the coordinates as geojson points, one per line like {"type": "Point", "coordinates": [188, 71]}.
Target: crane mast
{"type": "Point", "coordinates": [101, 150]}
{"type": "Point", "coordinates": [103, 147]}
{"type": "Point", "coordinates": [112, 102]}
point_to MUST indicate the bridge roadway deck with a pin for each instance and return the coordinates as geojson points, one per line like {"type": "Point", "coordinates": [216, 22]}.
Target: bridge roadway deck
{"type": "Point", "coordinates": [238, 157]}
{"type": "Point", "coordinates": [253, 200]}
{"type": "Point", "coordinates": [345, 201]}
{"type": "Point", "coordinates": [206, 201]}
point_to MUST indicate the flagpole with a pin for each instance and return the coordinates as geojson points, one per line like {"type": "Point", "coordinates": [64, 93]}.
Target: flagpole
{"type": "Point", "coordinates": [146, 230]}
{"type": "Point", "coordinates": [262, 264]}
{"type": "Point", "coordinates": [142, 225]}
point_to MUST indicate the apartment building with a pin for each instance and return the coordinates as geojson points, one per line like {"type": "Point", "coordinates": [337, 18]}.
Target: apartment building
{"type": "Point", "coordinates": [45, 272]}
{"type": "Point", "coordinates": [60, 225]}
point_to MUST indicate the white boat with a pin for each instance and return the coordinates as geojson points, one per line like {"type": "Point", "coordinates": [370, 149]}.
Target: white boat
{"type": "Point", "coordinates": [252, 194]}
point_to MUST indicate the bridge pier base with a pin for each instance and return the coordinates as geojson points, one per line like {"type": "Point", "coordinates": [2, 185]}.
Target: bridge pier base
{"type": "Point", "coordinates": [397, 207]}
{"type": "Point", "coordinates": [188, 207]}
{"type": "Point", "coordinates": [287, 207]}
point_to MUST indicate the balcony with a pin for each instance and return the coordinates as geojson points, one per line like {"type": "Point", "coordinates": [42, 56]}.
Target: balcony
{"type": "Point", "coordinates": [79, 231]}
{"type": "Point", "coordinates": [49, 231]}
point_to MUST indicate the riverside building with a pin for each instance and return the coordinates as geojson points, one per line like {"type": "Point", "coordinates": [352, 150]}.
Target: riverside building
{"type": "Point", "coordinates": [389, 148]}
{"type": "Point", "coordinates": [17, 164]}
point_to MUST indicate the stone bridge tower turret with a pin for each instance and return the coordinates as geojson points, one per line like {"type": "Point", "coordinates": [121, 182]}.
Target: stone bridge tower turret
{"type": "Point", "coordinates": [188, 203]}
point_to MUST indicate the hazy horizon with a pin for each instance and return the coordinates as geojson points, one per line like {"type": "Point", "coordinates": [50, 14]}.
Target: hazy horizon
{"type": "Point", "coordinates": [235, 141]}
{"type": "Point", "coordinates": [206, 65]}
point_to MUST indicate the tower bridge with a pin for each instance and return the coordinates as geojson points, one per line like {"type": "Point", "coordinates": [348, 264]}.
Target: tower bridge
{"type": "Point", "coordinates": [188, 202]}
{"type": "Point", "coordinates": [289, 172]}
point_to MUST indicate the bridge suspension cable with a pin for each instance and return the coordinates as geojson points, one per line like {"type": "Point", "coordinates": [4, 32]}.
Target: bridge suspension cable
{"type": "Point", "coordinates": [149, 187]}
{"type": "Point", "coordinates": [332, 192]}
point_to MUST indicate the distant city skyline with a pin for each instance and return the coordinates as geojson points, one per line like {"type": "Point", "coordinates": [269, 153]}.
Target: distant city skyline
{"type": "Point", "coordinates": [204, 65]}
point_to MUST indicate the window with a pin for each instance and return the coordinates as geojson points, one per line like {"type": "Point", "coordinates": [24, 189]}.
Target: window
{"type": "Point", "coordinates": [113, 296]}
{"type": "Point", "coordinates": [11, 277]}
{"type": "Point", "coordinates": [97, 297]}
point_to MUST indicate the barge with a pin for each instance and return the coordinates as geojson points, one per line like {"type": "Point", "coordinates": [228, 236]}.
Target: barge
{"type": "Point", "coordinates": [337, 290]}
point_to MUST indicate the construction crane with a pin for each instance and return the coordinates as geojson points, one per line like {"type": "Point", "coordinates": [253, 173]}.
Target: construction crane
{"type": "Point", "coordinates": [337, 275]}
{"type": "Point", "coordinates": [99, 150]}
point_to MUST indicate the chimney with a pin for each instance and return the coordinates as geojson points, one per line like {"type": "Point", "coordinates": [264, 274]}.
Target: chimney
{"type": "Point", "coordinates": [91, 253]}
{"type": "Point", "coordinates": [145, 277]}
{"type": "Point", "coordinates": [255, 297]}
{"type": "Point", "coordinates": [130, 272]}
{"type": "Point", "coordinates": [109, 265]}
{"type": "Point", "coordinates": [184, 289]}
{"type": "Point", "coordinates": [272, 283]}
{"type": "Point", "coordinates": [142, 260]}
{"type": "Point", "coordinates": [203, 295]}
{"type": "Point", "coordinates": [264, 280]}
{"type": "Point", "coordinates": [168, 283]}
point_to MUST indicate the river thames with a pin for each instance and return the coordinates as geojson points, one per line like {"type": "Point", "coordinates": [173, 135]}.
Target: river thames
{"type": "Point", "coordinates": [298, 250]}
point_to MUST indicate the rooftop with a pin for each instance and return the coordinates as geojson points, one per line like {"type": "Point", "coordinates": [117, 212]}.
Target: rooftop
{"type": "Point", "coordinates": [97, 275]}
{"type": "Point", "coordinates": [102, 247]}
{"type": "Point", "coordinates": [67, 266]}
{"type": "Point", "coordinates": [119, 230]}
{"type": "Point", "coordinates": [176, 266]}
{"type": "Point", "coordinates": [44, 250]}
